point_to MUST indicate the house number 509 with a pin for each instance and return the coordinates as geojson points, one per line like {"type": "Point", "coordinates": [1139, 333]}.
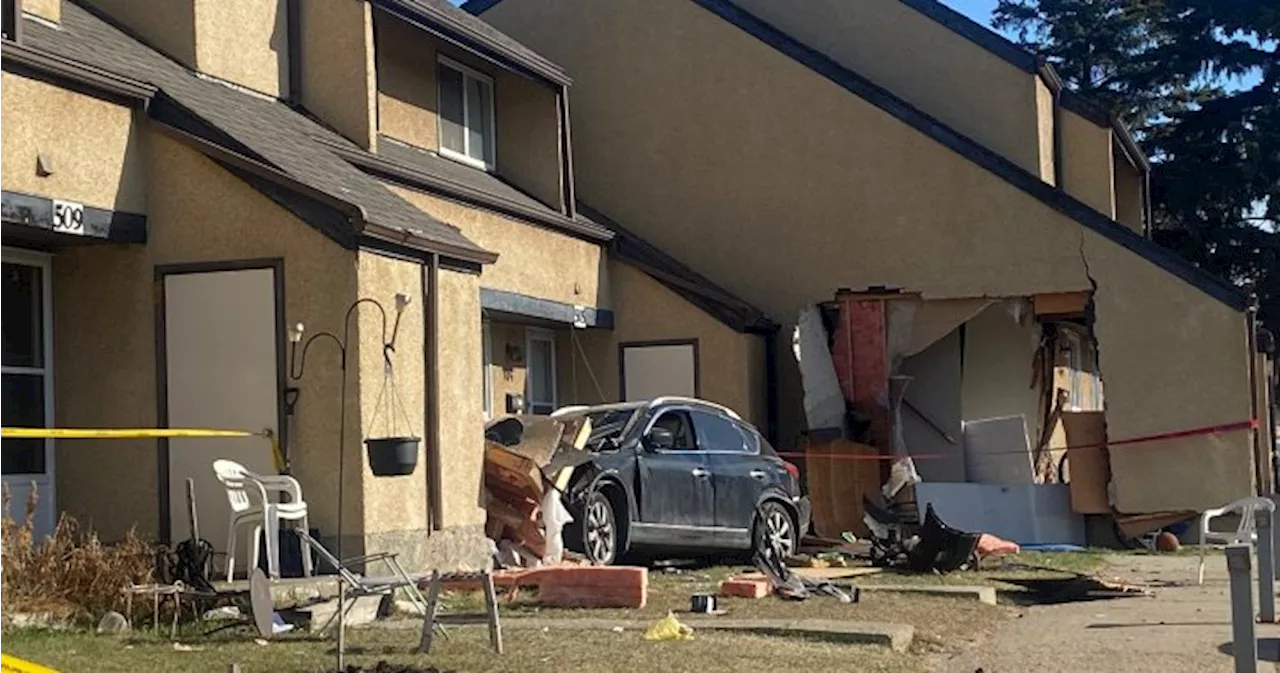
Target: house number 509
{"type": "Point", "coordinates": [68, 217]}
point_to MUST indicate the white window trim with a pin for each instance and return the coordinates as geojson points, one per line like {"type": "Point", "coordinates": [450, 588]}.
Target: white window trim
{"type": "Point", "coordinates": [532, 334]}
{"type": "Point", "coordinates": [44, 262]}
{"type": "Point", "coordinates": [487, 360]}
{"type": "Point", "coordinates": [489, 161]}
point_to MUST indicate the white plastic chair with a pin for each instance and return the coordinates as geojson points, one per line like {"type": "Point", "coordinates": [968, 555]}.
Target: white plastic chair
{"type": "Point", "coordinates": [1245, 532]}
{"type": "Point", "coordinates": [247, 494]}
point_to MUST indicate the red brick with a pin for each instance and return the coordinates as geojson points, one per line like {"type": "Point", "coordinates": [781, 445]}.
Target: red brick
{"type": "Point", "coordinates": [740, 588]}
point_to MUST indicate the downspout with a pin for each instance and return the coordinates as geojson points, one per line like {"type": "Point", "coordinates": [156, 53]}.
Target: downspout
{"type": "Point", "coordinates": [431, 414]}
{"type": "Point", "coordinates": [1251, 329]}
{"type": "Point", "coordinates": [293, 50]}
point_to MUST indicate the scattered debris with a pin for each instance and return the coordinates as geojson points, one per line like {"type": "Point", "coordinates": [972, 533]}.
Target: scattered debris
{"type": "Point", "coordinates": [669, 628]}
{"type": "Point", "coordinates": [745, 588]}
{"type": "Point", "coordinates": [388, 667]}
{"type": "Point", "coordinates": [990, 545]}
{"type": "Point", "coordinates": [113, 623]}
{"type": "Point", "coordinates": [183, 647]}
{"type": "Point", "coordinates": [224, 612]}
{"type": "Point", "coordinates": [1167, 542]}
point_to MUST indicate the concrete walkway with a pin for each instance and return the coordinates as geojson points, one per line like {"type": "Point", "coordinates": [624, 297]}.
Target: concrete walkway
{"type": "Point", "coordinates": [1186, 628]}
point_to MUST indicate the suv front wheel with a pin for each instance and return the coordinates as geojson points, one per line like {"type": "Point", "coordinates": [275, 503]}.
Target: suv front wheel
{"type": "Point", "coordinates": [599, 530]}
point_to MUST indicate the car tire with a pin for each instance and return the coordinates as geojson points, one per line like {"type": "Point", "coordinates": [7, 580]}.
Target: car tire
{"type": "Point", "coordinates": [775, 528]}
{"type": "Point", "coordinates": [599, 529]}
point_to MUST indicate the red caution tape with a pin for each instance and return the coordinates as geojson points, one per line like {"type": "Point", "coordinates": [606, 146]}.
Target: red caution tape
{"type": "Point", "coordinates": [1251, 424]}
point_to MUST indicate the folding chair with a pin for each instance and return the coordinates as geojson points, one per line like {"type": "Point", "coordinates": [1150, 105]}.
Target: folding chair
{"type": "Point", "coordinates": [1246, 531]}
{"type": "Point", "coordinates": [359, 586]}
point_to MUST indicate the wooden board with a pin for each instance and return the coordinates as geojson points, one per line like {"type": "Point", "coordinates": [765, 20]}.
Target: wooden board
{"type": "Point", "coordinates": [1060, 303]}
{"type": "Point", "coordinates": [1088, 469]}
{"type": "Point", "coordinates": [837, 485]}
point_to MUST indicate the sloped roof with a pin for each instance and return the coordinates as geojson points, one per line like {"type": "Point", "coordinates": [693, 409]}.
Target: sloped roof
{"type": "Point", "coordinates": [263, 130]}
{"type": "Point", "coordinates": [695, 288]}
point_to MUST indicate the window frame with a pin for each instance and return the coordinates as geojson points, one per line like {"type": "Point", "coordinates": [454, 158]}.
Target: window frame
{"type": "Point", "coordinates": [44, 263]}
{"type": "Point", "coordinates": [532, 334]}
{"type": "Point", "coordinates": [491, 152]}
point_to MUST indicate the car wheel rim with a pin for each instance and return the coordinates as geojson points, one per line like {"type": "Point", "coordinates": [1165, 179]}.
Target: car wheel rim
{"type": "Point", "coordinates": [778, 533]}
{"type": "Point", "coordinates": [599, 532]}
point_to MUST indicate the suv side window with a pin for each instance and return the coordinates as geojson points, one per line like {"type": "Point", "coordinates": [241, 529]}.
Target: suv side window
{"type": "Point", "coordinates": [677, 421]}
{"type": "Point", "coordinates": [717, 433]}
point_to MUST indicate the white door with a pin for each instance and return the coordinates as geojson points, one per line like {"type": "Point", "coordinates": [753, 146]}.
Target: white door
{"type": "Point", "coordinates": [654, 370]}
{"type": "Point", "coordinates": [221, 373]}
{"type": "Point", "coordinates": [540, 381]}
{"type": "Point", "coordinates": [28, 385]}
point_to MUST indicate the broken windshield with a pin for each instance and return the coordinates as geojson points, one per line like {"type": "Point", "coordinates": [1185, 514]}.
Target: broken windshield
{"type": "Point", "coordinates": [608, 427]}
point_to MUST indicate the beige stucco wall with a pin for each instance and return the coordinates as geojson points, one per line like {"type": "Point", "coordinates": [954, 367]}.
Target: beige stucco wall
{"type": "Point", "coordinates": [392, 406]}
{"type": "Point", "coordinates": [677, 156]}
{"type": "Point", "coordinates": [1171, 359]}
{"type": "Point", "coordinates": [528, 141]}
{"type": "Point", "coordinates": [731, 364]}
{"type": "Point", "coordinates": [920, 60]}
{"type": "Point", "coordinates": [168, 26]}
{"type": "Point", "coordinates": [1128, 191]}
{"type": "Point", "coordinates": [50, 10]}
{"type": "Point", "coordinates": [1086, 162]}
{"type": "Point", "coordinates": [92, 144]}
{"type": "Point", "coordinates": [532, 260]}
{"type": "Point", "coordinates": [106, 366]}
{"type": "Point", "coordinates": [245, 42]}
{"type": "Point", "coordinates": [1045, 123]}
{"type": "Point", "coordinates": [508, 375]}
{"type": "Point", "coordinates": [461, 415]}
{"type": "Point", "coordinates": [338, 74]}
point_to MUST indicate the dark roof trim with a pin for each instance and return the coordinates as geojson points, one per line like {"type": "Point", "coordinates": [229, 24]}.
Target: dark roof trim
{"type": "Point", "coordinates": [977, 33]}
{"type": "Point", "coordinates": [448, 28]}
{"type": "Point", "coordinates": [413, 178]}
{"type": "Point", "coordinates": [98, 224]}
{"type": "Point", "coordinates": [975, 152]}
{"type": "Point", "coordinates": [544, 309]}
{"type": "Point", "coordinates": [695, 288]}
{"type": "Point", "coordinates": [1021, 58]}
{"type": "Point", "coordinates": [352, 213]}
{"type": "Point", "coordinates": [16, 57]}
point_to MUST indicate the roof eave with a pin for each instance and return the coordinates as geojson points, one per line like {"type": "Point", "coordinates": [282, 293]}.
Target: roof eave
{"type": "Point", "coordinates": [110, 84]}
{"type": "Point", "coordinates": [445, 27]}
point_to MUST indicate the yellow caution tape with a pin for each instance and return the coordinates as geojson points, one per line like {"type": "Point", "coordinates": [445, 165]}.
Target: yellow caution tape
{"type": "Point", "coordinates": [11, 664]}
{"type": "Point", "coordinates": [131, 433]}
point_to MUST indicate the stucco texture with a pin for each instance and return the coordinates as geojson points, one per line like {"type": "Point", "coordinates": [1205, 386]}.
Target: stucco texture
{"type": "Point", "coordinates": [527, 142]}
{"type": "Point", "coordinates": [50, 10]}
{"type": "Point", "coordinates": [731, 364]}
{"type": "Point", "coordinates": [245, 42]}
{"type": "Point", "coordinates": [690, 155]}
{"type": "Point", "coordinates": [461, 430]}
{"type": "Point", "coordinates": [1086, 162]}
{"type": "Point", "coordinates": [955, 80]}
{"type": "Point", "coordinates": [508, 366]}
{"type": "Point", "coordinates": [391, 405]}
{"type": "Point", "coordinates": [532, 260]}
{"type": "Point", "coordinates": [1128, 191]}
{"type": "Point", "coordinates": [92, 146]}
{"type": "Point", "coordinates": [106, 365]}
{"type": "Point", "coordinates": [338, 72]}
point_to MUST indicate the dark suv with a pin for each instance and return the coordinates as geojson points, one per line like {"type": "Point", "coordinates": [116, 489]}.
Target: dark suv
{"type": "Point", "coordinates": [677, 475]}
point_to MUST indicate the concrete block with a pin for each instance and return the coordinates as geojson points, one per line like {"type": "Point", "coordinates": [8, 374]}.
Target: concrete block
{"type": "Point", "coordinates": [745, 588]}
{"type": "Point", "coordinates": [365, 611]}
{"type": "Point", "coordinates": [985, 595]}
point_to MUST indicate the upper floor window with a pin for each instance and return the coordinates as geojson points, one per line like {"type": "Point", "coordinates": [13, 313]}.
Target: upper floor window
{"type": "Point", "coordinates": [466, 114]}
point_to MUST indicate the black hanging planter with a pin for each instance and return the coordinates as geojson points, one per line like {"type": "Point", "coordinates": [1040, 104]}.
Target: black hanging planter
{"type": "Point", "coordinates": [392, 456]}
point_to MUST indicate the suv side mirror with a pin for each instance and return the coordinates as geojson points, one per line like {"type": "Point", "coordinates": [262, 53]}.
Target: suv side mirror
{"type": "Point", "coordinates": [659, 439]}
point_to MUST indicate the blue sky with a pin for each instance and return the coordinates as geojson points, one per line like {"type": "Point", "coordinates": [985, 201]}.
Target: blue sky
{"type": "Point", "coordinates": [978, 10]}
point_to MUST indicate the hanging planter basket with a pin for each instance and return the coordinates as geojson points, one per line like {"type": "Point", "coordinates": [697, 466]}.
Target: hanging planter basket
{"type": "Point", "coordinates": [392, 456]}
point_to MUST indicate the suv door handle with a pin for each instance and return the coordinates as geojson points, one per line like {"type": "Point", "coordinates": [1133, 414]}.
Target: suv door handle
{"type": "Point", "coordinates": [700, 473]}
{"type": "Point", "coordinates": [758, 474]}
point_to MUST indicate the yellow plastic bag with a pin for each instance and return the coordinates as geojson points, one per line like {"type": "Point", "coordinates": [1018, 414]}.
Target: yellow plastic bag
{"type": "Point", "coordinates": [669, 628]}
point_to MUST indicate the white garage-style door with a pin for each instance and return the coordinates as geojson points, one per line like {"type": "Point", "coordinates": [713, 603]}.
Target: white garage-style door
{"type": "Point", "coordinates": [656, 368]}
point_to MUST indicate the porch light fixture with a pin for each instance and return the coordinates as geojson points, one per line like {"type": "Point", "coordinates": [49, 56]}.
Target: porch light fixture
{"type": "Point", "coordinates": [297, 367]}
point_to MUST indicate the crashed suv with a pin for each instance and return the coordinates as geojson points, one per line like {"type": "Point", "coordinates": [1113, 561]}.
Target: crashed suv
{"type": "Point", "coordinates": [678, 476]}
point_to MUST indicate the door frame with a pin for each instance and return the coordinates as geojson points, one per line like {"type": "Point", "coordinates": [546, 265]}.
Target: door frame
{"type": "Point", "coordinates": [622, 362]}
{"type": "Point", "coordinates": [163, 271]}
{"type": "Point", "coordinates": [532, 334]}
{"type": "Point", "coordinates": [44, 262]}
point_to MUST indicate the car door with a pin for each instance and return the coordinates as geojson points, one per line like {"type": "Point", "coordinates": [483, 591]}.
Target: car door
{"type": "Point", "coordinates": [739, 476]}
{"type": "Point", "coordinates": [675, 483]}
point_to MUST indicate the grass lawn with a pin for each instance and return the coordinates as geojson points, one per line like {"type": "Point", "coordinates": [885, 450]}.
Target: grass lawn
{"type": "Point", "coordinates": [942, 625]}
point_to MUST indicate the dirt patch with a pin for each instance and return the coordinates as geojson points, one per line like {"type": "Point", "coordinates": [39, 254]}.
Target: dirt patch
{"type": "Point", "coordinates": [385, 666]}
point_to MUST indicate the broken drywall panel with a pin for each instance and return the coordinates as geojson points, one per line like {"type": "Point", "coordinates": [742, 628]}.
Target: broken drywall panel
{"type": "Point", "coordinates": [935, 394]}
{"type": "Point", "coordinates": [936, 318]}
{"type": "Point", "coordinates": [999, 363]}
{"type": "Point", "coordinates": [1023, 513]}
{"type": "Point", "coordinates": [1173, 358]}
{"type": "Point", "coordinates": [996, 451]}
{"type": "Point", "coordinates": [823, 402]}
